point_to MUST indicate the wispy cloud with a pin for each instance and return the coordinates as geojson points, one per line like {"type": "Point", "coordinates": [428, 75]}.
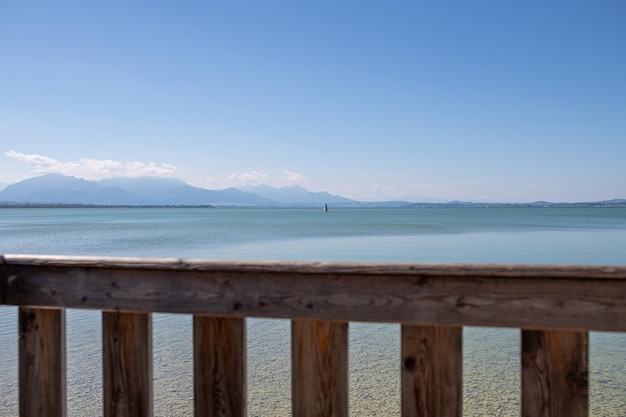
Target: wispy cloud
{"type": "Point", "coordinates": [253, 178]}
{"type": "Point", "coordinates": [291, 176]}
{"type": "Point", "coordinates": [92, 169]}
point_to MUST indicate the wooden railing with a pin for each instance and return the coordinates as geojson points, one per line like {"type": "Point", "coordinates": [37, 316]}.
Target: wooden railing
{"type": "Point", "coordinates": [555, 306]}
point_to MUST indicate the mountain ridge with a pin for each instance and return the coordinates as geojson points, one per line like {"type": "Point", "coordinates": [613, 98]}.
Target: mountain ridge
{"type": "Point", "coordinates": [295, 194]}
{"type": "Point", "coordinates": [61, 190]}
{"type": "Point", "coordinates": [157, 191]}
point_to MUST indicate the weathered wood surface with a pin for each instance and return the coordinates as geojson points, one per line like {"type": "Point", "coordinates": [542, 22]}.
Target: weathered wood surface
{"type": "Point", "coordinates": [431, 371]}
{"type": "Point", "coordinates": [572, 297]}
{"type": "Point", "coordinates": [555, 373]}
{"type": "Point", "coordinates": [219, 366]}
{"type": "Point", "coordinates": [127, 363]}
{"type": "Point", "coordinates": [42, 363]}
{"type": "Point", "coordinates": [319, 354]}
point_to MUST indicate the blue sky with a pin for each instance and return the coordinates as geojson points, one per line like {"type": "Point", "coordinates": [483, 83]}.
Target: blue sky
{"type": "Point", "coordinates": [422, 101]}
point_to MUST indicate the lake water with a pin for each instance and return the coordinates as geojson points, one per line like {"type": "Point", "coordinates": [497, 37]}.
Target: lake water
{"type": "Point", "coordinates": [467, 235]}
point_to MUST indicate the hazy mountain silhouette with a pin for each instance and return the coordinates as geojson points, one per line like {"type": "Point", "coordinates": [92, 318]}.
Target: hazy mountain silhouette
{"type": "Point", "coordinates": [60, 189]}
{"type": "Point", "coordinates": [296, 195]}
{"type": "Point", "coordinates": [56, 188]}
{"type": "Point", "coordinates": [155, 191]}
{"type": "Point", "coordinates": [172, 191]}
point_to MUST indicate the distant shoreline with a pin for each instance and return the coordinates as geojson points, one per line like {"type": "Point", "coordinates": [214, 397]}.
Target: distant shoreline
{"type": "Point", "coordinates": [603, 204]}
{"type": "Point", "coordinates": [61, 205]}
{"type": "Point", "coordinates": [598, 204]}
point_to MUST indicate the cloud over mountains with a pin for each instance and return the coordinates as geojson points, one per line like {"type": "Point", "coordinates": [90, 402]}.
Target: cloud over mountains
{"type": "Point", "coordinates": [93, 169]}
{"type": "Point", "coordinates": [100, 169]}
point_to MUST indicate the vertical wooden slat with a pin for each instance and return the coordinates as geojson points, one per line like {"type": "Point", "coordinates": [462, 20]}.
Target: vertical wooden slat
{"type": "Point", "coordinates": [431, 371]}
{"type": "Point", "coordinates": [127, 362]}
{"type": "Point", "coordinates": [319, 368]}
{"type": "Point", "coordinates": [219, 366]}
{"type": "Point", "coordinates": [555, 373]}
{"type": "Point", "coordinates": [42, 362]}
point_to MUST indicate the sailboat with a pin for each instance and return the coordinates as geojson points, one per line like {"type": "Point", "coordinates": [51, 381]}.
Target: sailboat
{"type": "Point", "coordinates": [325, 207]}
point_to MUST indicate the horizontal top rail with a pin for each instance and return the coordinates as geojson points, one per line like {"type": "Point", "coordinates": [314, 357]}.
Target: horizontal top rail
{"type": "Point", "coordinates": [522, 296]}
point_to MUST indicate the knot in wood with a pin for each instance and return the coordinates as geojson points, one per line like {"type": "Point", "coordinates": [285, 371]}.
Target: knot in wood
{"type": "Point", "coordinates": [409, 364]}
{"type": "Point", "coordinates": [28, 322]}
{"type": "Point", "coordinates": [462, 304]}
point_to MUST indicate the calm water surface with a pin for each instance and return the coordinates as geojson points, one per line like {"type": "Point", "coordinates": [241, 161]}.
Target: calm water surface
{"type": "Point", "coordinates": [491, 356]}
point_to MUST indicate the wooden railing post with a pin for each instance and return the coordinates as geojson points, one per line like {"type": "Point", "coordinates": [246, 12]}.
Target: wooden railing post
{"type": "Point", "coordinates": [127, 362]}
{"type": "Point", "coordinates": [555, 373]}
{"type": "Point", "coordinates": [42, 362]}
{"type": "Point", "coordinates": [431, 371]}
{"type": "Point", "coordinates": [219, 366]}
{"type": "Point", "coordinates": [319, 368]}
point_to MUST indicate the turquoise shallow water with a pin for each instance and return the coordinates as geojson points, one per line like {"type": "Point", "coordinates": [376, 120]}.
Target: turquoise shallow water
{"type": "Point", "coordinates": [491, 356]}
{"type": "Point", "coordinates": [364, 234]}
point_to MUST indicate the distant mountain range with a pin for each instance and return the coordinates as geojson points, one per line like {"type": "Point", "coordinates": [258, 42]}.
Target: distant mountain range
{"type": "Point", "coordinates": [154, 191]}
{"type": "Point", "coordinates": [296, 195]}
{"type": "Point", "coordinates": [60, 190]}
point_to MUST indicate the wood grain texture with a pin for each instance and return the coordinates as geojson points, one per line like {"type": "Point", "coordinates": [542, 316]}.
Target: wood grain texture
{"type": "Point", "coordinates": [3, 279]}
{"type": "Point", "coordinates": [127, 363]}
{"type": "Point", "coordinates": [555, 373]}
{"type": "Point", "coordinates": [431, 371]}
{"type": "Point", "coordinates": [219, 366]}
{"type": "Point", "coordinates": [319, 368]}
{"type": "Point", "coordinates": [574, 297]}
{"type": "Point", "coordinates": [42, 363]}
